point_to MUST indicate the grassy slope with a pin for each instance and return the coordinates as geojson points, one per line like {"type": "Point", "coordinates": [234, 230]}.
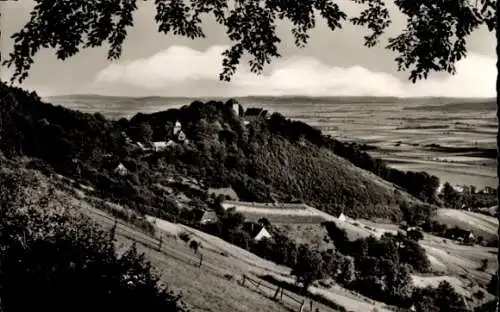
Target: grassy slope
{"type": "Point", "coordinates": [177, 264]}
{"type": "Point", "coordinates": [457, 262]}
{"type": "Point", "coordinates": [479, 224]}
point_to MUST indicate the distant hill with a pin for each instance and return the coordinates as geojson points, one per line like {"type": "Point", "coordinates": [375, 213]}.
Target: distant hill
{"type": "Point", "coordinates": [263, 158]}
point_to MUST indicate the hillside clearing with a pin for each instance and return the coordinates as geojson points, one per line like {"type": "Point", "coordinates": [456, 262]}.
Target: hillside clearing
{"type": "Point", "coordinates": [479, 224]}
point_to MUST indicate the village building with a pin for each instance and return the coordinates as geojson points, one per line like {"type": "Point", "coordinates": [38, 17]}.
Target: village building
{"type": "Point", "coordinates": [235, 107]}
{"type": "Point", "coordinates": [159, 146]}
{"type": "Point", "coordinates": [177, 128]}
{"type": "Point", "coordinates": [121, 170]}
{"type": "Point", "coordinates": [256, 231]}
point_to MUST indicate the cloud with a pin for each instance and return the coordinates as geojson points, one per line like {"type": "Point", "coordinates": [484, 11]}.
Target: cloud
{"type": "Point", "coordinates": [181, 71]}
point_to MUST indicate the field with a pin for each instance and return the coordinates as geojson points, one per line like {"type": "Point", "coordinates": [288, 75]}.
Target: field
{"type": "Point", "coordinates": [479, 224]}
{"type": "Point", "coordinates": [447, 257]}
{"type": "Point", "coordinates": [277, 214]}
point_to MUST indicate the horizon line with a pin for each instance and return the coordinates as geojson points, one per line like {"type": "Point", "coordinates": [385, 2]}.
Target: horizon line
{"type": "Point", "coordinates": [283, 96]}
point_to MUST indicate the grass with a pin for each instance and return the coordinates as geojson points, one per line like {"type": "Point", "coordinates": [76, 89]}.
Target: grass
{"type": "Point", "coordinates": [284, 219]}
{"type": "Point", "coordinates": [177, 264]}
{"type": "Point", "coordinates": [479, 224]}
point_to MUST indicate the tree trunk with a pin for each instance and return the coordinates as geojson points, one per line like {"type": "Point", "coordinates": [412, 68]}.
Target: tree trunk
{"type": "Point", "coordinates": [498, 139]}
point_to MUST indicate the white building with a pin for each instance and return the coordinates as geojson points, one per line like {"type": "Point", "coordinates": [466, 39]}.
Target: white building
{"type": "Point", "coordinates": [121, 170]}
{"type": "Point", "coordinates": [177, 127]}
{"type": "Point", "coordinates": [263, 233]}
{"type": "Point", "coordinates": [160, 146]}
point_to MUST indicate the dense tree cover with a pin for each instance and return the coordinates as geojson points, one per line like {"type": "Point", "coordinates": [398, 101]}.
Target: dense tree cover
{"type": "Point", "coordinates": [468, 198]}
{"type": "Point", "coordinates": [420, 184]}
{"type": "Point", "coordinates": [443, 298]}
{"type": "Point", "coordinates": [393, 248]}
{"type": "Point", "coordinates": [53, 260]}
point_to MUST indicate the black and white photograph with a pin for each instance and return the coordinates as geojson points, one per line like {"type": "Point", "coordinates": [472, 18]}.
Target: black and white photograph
{"type": "Point", "coordinates": [249, 155]}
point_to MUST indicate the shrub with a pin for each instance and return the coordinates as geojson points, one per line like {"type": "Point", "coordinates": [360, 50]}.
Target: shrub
{"type": "Point", "coordinates": [185, 237]}
{"type": "Point", "coordinates": [59, 261]}
{"type": "Point", "coordinates": [443, 298]}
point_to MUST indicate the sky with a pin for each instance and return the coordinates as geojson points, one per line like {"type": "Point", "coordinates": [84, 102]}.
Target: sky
{"type": "Point", "coordinates": [333, 64]}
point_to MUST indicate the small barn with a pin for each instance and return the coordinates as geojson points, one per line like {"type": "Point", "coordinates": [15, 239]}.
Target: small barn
{"type": "Point", "coordinates": [256, 231]}
{"type": "Point", "coordinates": [209, 216]}
{"type": "Point", "coordinates": [263, 233]}
{"type": "Point", "coordinates": [171, 143]}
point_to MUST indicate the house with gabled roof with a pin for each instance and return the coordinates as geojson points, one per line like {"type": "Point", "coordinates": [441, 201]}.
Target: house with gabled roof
{"type": "Point", "coordinates": [256, 231]}
{"type": "Point", "coordinates": [209, 216]}
{"type": "Point", "coordinates": [121, 170]}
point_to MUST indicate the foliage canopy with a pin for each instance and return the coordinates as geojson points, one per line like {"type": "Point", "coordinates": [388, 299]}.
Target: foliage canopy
{"type": "Point", "coordinates": [434, 37]}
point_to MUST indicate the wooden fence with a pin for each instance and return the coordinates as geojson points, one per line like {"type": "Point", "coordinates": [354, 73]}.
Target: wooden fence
{"type": "Point", "coordinates": [260, 286]}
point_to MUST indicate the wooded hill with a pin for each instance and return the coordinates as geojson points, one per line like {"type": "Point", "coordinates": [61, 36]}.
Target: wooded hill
{"type": "Point", "coordinates": [263, 158]}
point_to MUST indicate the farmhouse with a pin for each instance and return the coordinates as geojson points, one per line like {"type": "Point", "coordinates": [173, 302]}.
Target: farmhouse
{"type": "Point", "coordinates": [226, 192]}
{"type": "Point", "coordinates": [256, 231]}
{"type": "Point", "coordinates": [125, 137]}
{"type": "Point", "coordinates": [460, 234]}
{"type": "Point", "coordinates": [159, 146]}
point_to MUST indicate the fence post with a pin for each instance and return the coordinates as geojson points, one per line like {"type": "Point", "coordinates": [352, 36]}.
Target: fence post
{"type": "Point", "coordinates": [302, 306]}
{"type": "Point", "coordinates": [311, 305]}
{"type": "Point", "coordinates": [276, 293]}
{"type": "Point", "coordinates": [243, 281]}
{"type": "Point", "coordinates": [201, 259]}
{"type": "Point", "coordinates": [113, 229]}
{"type": "Point", "coordinates": [160, 243]}
{"type": "Point", "coordinates": [281, 297]}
